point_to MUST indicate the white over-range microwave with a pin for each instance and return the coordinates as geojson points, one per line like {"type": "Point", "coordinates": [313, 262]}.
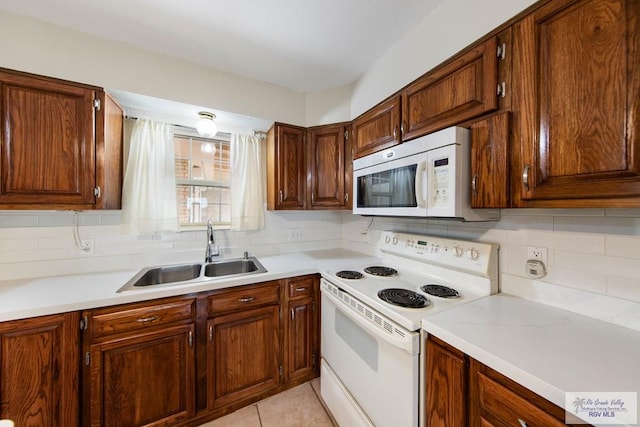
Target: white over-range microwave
{"type": "Point", "coordinates": [426, 177]}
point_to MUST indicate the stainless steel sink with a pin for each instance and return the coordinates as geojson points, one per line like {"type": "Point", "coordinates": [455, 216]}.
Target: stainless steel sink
{"type": "Point", "coordinates": [230, 267]}
{"type": "Point", "coordinates": [195, 272]}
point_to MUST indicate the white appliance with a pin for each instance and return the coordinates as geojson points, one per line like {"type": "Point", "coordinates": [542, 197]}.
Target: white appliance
{"type": "Point", "coordinates": [425, 177]}
{"type": "Point", "coordinates": [371, 372]}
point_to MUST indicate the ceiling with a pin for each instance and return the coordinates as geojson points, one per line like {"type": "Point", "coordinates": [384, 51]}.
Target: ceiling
{"type": "Point", "coordinates": [304, 45]}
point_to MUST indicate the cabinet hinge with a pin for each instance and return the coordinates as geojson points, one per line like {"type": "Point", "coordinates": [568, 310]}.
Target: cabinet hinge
{"type": "Point", "coordinates": [96, 104]}
{"type": "Point", "coordinates": [313, 360]}
{"type": "Point", "coordinates": [87, 358]}
{"type": "Point", "coordinates": [501, 90]}
{"type": "Point", "coordinates": [84, 323]}
{"type": "Point", "coordinates": [313, 305]}
{"type": "Point", "coordinates": [346, 134]}
{"type": "Point", "coordinates": [280, 370]}
{"type": "Point", "coordinates": [502, 51]}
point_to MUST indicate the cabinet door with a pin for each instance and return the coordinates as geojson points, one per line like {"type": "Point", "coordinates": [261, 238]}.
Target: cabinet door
{"type": "Point", "coordinates": [378, 128]}
{"type": "Point", "coordinates": [300, 348]}
{"type": "Point", "coordinates": [146, 379]}
{"type": "Point", "coordinates": [326, 167]}
{"type": "Point", "coordinates": [243, 356]}
{"type": "Point", "coordinates": [490, 162]}
{"type": "Point", "coordinates": [463, 88]}
{"type": "Point", "coordinates": [48, 146]}
{"type": "Point", "coordinates": [446, 385]}
{"type": "Point", "coordinates": [286, 167]}
{"type": "Point", "coordinates": [577, 89]}
{"type": "Point", "coordinates": [39, 371]}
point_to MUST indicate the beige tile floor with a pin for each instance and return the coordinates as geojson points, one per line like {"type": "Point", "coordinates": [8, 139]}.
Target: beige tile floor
{"type": "Point", "coordinates": [296, 407]}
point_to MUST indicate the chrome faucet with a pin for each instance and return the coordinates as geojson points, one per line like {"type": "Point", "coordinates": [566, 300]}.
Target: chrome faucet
{"type": "Point", "coordinates": [213, 250]}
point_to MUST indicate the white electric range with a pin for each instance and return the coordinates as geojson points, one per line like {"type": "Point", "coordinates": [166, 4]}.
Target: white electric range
{"type": "Point", "coordinates": [371, 343]}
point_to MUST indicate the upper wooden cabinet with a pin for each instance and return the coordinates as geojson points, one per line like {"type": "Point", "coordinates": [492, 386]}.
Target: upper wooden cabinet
{"type": "Point", "coordinates": [39, 370]}
{"type": "Point", "coordinates": [462, 88]}
{"type": "Point", "coordinates": [57, 151]}
{"type": "Point", "coordinates": [378, 128]}
{"type": "Point", "coordinates": [490, 162]}
{"type": "Point", "coordinates": [577, 102]}
{"type": "Point", "coordinates": [286, 167]}
{"type": "Point", "coordinates": [327, 166]}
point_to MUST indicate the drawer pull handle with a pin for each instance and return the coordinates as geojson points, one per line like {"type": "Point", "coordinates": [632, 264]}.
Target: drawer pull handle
{"type": "Point", "coordinates": [210, 333]}
{"type": "Point", "coordinates": [300, 289]}
{"type": "Point", "coordinates": [522, 423]}
{"type": "Point", "coordinates": [474, 184]}
{"type": "Point", "coordinates": [190, 339]}
{"type": "Point", "coordinates": [246, 299]}
{"type": "Point", "coordinates": [525, 177]}
{"type": "Point", "coordinates": [147, 319]}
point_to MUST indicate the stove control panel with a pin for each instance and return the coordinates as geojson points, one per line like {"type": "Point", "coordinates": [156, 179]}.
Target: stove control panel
{"type": "Point", "coordinates": [477, 257]}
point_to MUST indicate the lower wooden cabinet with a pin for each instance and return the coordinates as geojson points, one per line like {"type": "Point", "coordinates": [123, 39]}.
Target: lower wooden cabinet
{"type": "Point", "coordinates": [139, 362]}
{"type": "Point", "coordinates": [243, 354]}
{"type": "Point", "coordinates": [445, 385]}
{"type": "Point", "coordinates": [302, 340]}
{"type": "Point", "coordinates": [39, 370]}
{"type": "Point", "coordinates": [460, 391]}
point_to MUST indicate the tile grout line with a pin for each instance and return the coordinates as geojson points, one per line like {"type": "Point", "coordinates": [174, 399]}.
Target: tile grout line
{"type": "Point", "coordinates": [324, 407]}
{"type": "Point", "coordinates": [258, 411]}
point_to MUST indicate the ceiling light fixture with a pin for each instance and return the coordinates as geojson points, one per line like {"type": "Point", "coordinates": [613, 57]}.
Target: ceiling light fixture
{"type": "Point", "coordinates": [206, 126]}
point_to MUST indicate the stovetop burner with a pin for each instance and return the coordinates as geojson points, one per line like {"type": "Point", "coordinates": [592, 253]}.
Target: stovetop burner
{"type": "Point", "coordinates": [440, 291]}
{"type": "Point", "coordinates": [378, 270]}
{"type": "Point", "coordinates": [349, 274]}
{"type": "Point", "coordinates": [403, 298]}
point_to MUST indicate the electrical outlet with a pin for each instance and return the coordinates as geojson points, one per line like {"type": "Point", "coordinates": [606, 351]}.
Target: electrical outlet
{"type": "Point", "coordinates": [88, 246]}
{"type": "Point", "coordinates": [295, 234]}
{"type": "Point", "coordinates": [537, 253]}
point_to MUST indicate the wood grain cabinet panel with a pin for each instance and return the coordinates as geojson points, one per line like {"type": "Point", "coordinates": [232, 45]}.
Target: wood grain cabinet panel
{"type": "Point", "coordinates": [243, 356]}
{"type": "Point", "coordinates": [302, 333]}
{"type": "Point", "coordinates": [39, 371]}
{"type": "Point", "coordinates": [577, 99]}
{"type": "Point", "coordinates": [446, 385]}
{"type": "Point", "coordinates": [56, 149]}
{"type": "Point", "coordinates": [326, 168]}
{"type": "Point", "coordinates": [378, 128]}
{"type": "Point", "coordinates": [490, 164]}
{"type": "Point", "coordinates": [463, 88]}
{"type": "Point", "coordinates": [286, 167]}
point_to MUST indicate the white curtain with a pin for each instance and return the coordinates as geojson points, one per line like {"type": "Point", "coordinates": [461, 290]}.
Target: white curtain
{"type": "Point", "coordinates": [149, 189]}
{"type": "Point", "coordinates": [248, 175]}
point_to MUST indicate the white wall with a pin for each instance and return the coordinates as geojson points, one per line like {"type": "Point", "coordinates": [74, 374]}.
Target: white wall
{"type": "Point", "coordinates": [34, 46]}
{"type": "Point", "coordinates": [453, 25]}
{"type": "Point", "coordinates": [329, 106]}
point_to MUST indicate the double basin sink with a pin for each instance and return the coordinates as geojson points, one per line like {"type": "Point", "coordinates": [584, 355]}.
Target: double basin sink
{"type": "Point", "coordinates": [180, 273]}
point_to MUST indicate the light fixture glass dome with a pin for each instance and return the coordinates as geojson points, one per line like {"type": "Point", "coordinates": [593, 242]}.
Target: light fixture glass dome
{"type": "Point", "coordinates": [206, 126]}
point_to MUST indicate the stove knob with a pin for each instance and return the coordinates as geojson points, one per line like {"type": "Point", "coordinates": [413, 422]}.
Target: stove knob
{"type": "Point", "coordinates": [387, 239]}
{"type": "Point", "coordinates": [395, 240]}
{"type": "Point", "coordinates": [473, 254]}
{"type": "Point", "coordinates": [458, 250]}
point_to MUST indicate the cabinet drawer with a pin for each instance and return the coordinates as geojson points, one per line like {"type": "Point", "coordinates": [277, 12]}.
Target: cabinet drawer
{"type": "Point", "coordinates": [301, 287]}
{"type": "Point", "coordinates": [141, 316]}
{"type": "Point", "coordinates": [503, 406]}
{"type": "Point", "coordinates": [243, 297]}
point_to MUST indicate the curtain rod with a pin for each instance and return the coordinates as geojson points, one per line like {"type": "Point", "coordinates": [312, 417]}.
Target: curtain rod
{"type": "Point", "coordinates": [260, 134]}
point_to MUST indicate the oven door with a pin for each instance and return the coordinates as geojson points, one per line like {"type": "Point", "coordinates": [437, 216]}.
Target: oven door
{"type": "Point", "coordinates": [397, 187]}
{"type": "Point", "coordinates": [368, 377]}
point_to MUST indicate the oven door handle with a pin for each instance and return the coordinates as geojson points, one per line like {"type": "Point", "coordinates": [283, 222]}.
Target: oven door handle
{"type": "Point", "coordinates": [420, 172]}
{"type": "Point", "coordinates": [409, 345]}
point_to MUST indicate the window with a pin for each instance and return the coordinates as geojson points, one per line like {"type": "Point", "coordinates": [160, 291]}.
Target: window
{"type": "Point", "coordinates": [202, 179]}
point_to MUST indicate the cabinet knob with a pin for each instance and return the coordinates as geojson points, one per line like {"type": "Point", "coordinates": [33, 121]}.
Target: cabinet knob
{"type": "Point", "coordinates": [474, 184]}
{"type": "Point", "coordinates": [346, 197]}
{"type": "Point", "coordinates": [280, 196]}
{"type": "Point", "coordinates": [525, 177]}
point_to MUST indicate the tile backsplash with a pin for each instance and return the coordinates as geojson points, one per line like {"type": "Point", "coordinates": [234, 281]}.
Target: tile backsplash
{"type": "Point", "coordinates": [593, 254]}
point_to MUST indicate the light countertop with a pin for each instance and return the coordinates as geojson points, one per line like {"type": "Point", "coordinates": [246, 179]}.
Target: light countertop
{"type": "Point", "coordinates": [548, 350]}
{"type": "Point", "coordinates": [41, 296]}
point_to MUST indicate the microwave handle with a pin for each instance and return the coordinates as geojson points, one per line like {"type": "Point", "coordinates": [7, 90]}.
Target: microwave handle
{"type": "Point", "coordinates": [420, 172]}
